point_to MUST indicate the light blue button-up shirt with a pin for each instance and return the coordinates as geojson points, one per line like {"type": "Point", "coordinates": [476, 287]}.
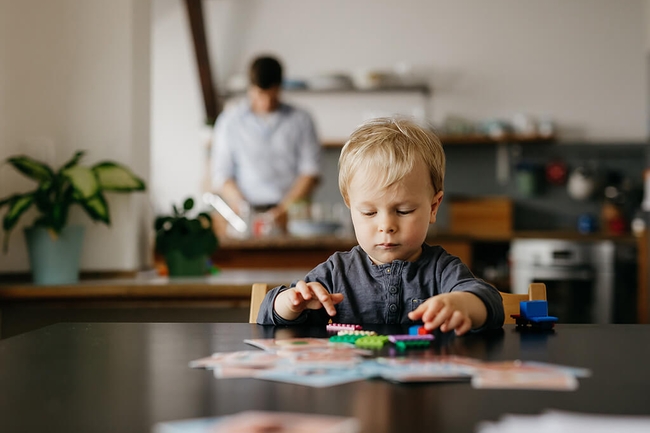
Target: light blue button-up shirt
{"type": "Point", "coordinates": [264, 154]}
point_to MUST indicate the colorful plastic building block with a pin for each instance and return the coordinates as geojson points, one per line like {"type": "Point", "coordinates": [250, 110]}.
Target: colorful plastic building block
{"type": "Point", "coordinates": [371, 341]}
{"type": "Point", "coordinates": [347, 338]}
{"type": "Point", "coordinates": [412, 344]}
{"type": "Point", "coordinates": [342, 327]}
{"type": "Point", "coordinates": [534, 315]}
{"type": "Point", "coordinates": [418, 330]}
{"type": "Point", "coordinates": [361, 332]}
{"type": "Point", "coordinates": [404, 337]}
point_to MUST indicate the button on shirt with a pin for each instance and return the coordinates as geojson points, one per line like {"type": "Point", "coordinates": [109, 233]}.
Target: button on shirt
{"type": "Point", "coordinates": [264, 154]}
{"type": "Point", "coordinates": [385, 294]}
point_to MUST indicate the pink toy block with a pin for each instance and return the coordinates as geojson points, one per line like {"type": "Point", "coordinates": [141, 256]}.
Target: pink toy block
{"type": "Point", "coordinates": [342, 327]}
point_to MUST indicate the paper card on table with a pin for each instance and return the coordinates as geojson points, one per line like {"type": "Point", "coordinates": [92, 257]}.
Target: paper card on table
{"type": "Point", "coordinates": [285, 422]}
{"type": "Point", "coordinates": [315, 377]}
{"type": "Point", "coordinates": [548, 381]}
{"type": "Point", "coordinates": [522, 375]}
{"type": "Point", "coordinates": [414, 370]}
{"type": "Point", "coordinates": [328, 358]}
{"type": "Point", "coordinates": [288, 344]}
{"type": "Point", "coordinates": [257, 421]}
{"type": "Point", "coordinates": [574, 371]}
{"type": "Point", "coordinates": [242, 358]}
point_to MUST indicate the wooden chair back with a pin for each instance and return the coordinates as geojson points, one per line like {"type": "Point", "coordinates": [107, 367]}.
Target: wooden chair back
{"type": "Point", "coordinates": [258, 292]}
{"type": "Point", "coordinates": [536, 292]}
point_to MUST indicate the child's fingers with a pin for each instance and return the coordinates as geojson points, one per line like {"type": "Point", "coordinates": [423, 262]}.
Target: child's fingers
{"type": "Point", "coordinates": [419, 312]}
{"type": "Point", "coordinates": [434, 309]}
{"type": "Point", "coordinates": [434, 322]}
{"type": "Point", "coordinates": [465, 327]}
{"type": "Point", "coordinates": [304, 289]}
{"type": "Point", "coordinates": [295, 297]}
{"type": "Point", "coordinates": [455, 321]}
{"type": "Point", "coordinates": [325, 298]}
{"type": "Point", "coordinates": [337, 298]}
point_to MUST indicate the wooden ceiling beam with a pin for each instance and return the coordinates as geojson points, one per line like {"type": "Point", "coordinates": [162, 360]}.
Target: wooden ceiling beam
{"type": "Point", "coordinates": [197, 25]}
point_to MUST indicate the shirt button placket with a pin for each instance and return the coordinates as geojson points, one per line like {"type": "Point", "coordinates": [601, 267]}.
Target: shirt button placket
{"type": "Point", "coordinates": [393, 298]}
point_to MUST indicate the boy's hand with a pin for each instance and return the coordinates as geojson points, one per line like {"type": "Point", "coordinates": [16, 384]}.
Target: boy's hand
{"type": "Point", "coordinates": [455, 311]}
{"type": "Point", "coordinates": [305, 296]}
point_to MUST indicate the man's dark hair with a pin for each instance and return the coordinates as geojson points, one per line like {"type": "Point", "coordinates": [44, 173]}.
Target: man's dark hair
{"type": "Point", "coordinates": [266, 72]}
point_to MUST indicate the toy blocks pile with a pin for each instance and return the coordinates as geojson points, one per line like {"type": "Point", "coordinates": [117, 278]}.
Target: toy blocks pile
{"type": "Point", "coordinates": [417, 338]}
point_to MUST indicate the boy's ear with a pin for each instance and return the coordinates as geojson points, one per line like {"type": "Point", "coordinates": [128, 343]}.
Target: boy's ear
{"type": "Point", "coordinates": [435, 205]}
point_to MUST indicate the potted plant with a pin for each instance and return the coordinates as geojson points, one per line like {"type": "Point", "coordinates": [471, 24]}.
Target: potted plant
{"type": "Point", "coordinates": [54, 247]}
{"type": "Point", "coordinates": [185, 243]}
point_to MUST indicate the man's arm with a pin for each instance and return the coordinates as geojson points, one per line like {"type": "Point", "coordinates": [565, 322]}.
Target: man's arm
{"type": "Point", "coordinates": [301, 189]}
{"type": "Point", "coordinates": [232, 195]}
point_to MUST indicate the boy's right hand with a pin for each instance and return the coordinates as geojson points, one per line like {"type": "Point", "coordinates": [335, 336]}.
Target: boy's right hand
{"type": "Point", "coordinates": [305, 296]}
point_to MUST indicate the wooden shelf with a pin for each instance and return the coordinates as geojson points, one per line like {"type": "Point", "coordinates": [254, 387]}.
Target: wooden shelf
{"type": "Point", "coordinates": [419, 88]}
{"type": "Point", "coordinates": [460, 140]}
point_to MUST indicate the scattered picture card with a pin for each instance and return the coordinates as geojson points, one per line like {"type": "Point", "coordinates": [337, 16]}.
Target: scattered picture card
{"type": "Point", "coordinates": [423, 370]}
{"type": "Point", "coordinates": [288, 344]}
{"type": "Point", "coordinates": [548, 381]}
{"type": "Point", "coordinates": [243, 358]}
{"type": "Point", "coordinates": [262, 421]}
{"type": "Point", "coordinates": [523, 375]}
{"type": "Point", "coordinates": [315, 377]}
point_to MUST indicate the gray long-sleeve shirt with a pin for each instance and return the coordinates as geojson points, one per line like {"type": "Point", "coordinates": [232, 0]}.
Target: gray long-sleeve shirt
{"type": "Point", "coordinates": [385, 294]}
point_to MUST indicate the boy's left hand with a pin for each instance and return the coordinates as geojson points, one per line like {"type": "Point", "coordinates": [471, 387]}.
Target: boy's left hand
{"type": "Point", "coordinates": [447, 311]}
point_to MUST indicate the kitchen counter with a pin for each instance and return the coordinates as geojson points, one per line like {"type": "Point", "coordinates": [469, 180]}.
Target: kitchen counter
{"type": "Point", "coordinates": [344, 243]}
{"type": "Point", "coordinates": [224, 297]}
{"type": "Point", "coordinates": [229, 284]}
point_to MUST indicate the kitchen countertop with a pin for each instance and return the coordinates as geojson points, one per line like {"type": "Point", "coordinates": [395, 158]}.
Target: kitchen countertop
{"type": "Point", "coordinates": [348, 242]}
{"type": "Point", "coordinates": [228, 284]}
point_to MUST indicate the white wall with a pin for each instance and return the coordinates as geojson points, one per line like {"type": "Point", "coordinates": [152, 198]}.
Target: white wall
{"type": "Point", "coordinates": [178, 153]}
{"type": "Point", "coordinates": [76, 76]}
{"type": "Point", "coordinates": [580, 62]}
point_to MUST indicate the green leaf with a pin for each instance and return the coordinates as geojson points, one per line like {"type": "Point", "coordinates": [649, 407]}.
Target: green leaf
{"type": "Point", "coordinates": [116, 177]}
{"type": "Point", "coordinates": [31, 168]}
{"type": "Point", "coordinates": [73, 161]}
{"type": "Point", "coordinates": [97, 208]}
{"type": "Point", "coordinates": [18, 205]}
{"type": "Point", "coordinates": [83, 180]}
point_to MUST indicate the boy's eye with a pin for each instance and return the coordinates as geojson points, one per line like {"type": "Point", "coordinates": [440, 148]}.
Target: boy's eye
{"type": "Point", "coordinates": [367, 213]}
{"type": "Point", "coordinates": [404, 212]}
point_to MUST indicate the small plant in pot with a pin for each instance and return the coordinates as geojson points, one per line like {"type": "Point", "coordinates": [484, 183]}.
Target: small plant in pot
{"type": "Point", "coordinates": [53, 245]}
{"type": "Point", "coordinates": [186, 243]}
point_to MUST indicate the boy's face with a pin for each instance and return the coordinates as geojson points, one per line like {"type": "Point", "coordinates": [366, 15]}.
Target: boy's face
{"type": "Point", "coordinates": [392, 223]}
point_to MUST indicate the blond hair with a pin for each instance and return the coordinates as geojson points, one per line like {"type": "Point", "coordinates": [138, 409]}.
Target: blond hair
{"type": "Point", "coordinates": [390, 147]}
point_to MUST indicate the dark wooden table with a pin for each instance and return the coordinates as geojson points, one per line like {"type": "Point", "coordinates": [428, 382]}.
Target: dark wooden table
{"type": "Point", "coordinates": [124, 377]}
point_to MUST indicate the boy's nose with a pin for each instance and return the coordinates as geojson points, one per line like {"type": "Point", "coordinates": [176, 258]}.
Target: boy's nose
{"type": "Point", "coordinates": [387, 226]}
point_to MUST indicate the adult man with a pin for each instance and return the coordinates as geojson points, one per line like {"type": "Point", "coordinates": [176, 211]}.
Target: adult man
{"type": "Point", "coordinates": [265, 153]}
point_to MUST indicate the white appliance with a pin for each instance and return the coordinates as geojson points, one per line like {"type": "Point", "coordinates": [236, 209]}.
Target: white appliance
{"type": "Point", "coordinates": [579, 276]}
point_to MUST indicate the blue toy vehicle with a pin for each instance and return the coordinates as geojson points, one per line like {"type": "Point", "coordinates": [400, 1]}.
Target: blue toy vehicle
{"type": "Point", "coordinates": [534, 314]}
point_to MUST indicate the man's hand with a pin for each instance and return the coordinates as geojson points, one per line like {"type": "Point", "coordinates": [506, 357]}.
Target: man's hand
{"type": "Point", "coordinates": [455, 311]}
{"type": "Point", "coordinates": [305, 296]}
{"type": "Point", "coordinates": [279, 215]}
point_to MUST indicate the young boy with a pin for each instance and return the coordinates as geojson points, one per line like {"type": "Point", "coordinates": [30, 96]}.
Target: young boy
{"type": "Point", "coordinates": [391, 174]}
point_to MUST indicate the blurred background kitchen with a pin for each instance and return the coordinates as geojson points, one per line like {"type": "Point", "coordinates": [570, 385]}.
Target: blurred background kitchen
{"type": "Point", "coordinates": [542, 107]}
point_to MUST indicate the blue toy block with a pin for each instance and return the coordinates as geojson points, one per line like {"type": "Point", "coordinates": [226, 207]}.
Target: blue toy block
{"type": "Point", "coordinates": [530, 309]}
{"type": "Point", "coordinates": [545, 319]}
{"type": "Point", "coordinates": [413, 330]}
